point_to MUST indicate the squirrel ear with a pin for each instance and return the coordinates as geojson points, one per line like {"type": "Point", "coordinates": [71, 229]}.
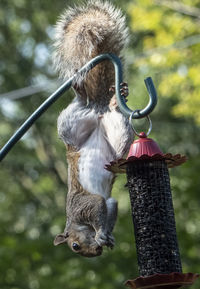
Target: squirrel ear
{"type": "Point", "coordinates": [60, 239]}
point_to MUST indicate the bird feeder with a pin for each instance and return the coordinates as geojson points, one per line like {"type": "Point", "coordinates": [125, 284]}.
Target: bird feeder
{"type": "Point", "coordinates": [157, 248]}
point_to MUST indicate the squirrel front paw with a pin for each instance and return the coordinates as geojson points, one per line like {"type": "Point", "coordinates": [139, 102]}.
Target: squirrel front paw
{"type": "Point", "coordinates": [110, 241]}
{"type": "Point", "coordinates": [104, 239]}
{"type": "Point", "coordinates": [123, 91]}
{"type": "Point", "coordinates": [101, 238]}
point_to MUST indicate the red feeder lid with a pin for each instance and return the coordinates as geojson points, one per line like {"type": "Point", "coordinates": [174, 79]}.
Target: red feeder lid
{"type": "Point", "coordinates": [144, 146]}
{"type": "Point", "coordinates": [145, 149]}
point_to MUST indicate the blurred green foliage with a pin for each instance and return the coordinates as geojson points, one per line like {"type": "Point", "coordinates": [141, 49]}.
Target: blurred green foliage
{"type": "Point", "coordinates": [165, 44]}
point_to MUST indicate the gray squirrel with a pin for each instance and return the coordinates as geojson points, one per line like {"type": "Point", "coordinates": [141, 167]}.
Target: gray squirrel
{"type": "Point", "coordinates": [93, 129]}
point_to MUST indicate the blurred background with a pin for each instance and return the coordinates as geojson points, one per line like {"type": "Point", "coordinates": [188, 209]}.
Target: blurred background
{"type": "Point", "coordinates": [164, 44]}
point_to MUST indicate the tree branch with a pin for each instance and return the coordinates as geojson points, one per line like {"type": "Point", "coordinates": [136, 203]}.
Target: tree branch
{"type": "Point", "coordinates": [180, 7]}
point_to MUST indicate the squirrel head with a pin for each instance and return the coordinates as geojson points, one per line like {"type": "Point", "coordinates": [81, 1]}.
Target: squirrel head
{"type": "Point", "coordinates": [81, 241]}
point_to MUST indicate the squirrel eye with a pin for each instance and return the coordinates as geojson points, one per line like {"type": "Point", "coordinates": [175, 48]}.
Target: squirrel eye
{"type": "Point", "coordinates": [75, 246]}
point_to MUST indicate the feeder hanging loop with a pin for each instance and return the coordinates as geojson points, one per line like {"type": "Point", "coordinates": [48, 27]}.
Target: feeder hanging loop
{"type": "Point", "coordinates": [134, 130]}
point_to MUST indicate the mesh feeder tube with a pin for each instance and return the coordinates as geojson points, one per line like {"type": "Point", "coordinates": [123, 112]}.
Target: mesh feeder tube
{"type": "Point", "coordinates": [153, 218]}
{"type": "Point", "coordinates": [152, 211]}
{"type": "Point", "coordinates": [159, 262]}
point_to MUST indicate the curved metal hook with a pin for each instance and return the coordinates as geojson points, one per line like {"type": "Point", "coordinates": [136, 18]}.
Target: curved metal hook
{"type": "Point", "coordinates": [147, 110]}
{"type": "Point", "coordinates": [52, 98]}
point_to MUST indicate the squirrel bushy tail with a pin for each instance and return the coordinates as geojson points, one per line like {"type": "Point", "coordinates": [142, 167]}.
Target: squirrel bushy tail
{"type": "Point", "coordinates": [83, 33]}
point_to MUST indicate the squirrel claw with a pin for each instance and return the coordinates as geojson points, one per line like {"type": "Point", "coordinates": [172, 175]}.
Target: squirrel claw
{"type": "Point", "coordinates": [124, 90]}
{"type": "Point", "coordinates": [110, 241]}
{"type": "Point", "coordinates": [124, 84]}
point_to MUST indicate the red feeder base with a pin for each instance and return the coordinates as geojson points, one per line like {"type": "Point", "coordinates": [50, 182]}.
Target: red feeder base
{"type": "Point", "coordinates": [163, 281]}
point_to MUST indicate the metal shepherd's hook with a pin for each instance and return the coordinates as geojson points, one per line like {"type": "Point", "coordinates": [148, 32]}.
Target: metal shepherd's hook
{"type": "Point", "coordinates": [63, 88]}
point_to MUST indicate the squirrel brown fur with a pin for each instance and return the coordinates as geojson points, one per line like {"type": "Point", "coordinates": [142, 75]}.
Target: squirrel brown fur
{"type": "Point", "coordinates": [93, 129]}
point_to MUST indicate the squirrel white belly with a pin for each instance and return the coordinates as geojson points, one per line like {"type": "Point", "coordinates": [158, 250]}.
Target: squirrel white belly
{"type": "Point", "coordinates": [92, 127]}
